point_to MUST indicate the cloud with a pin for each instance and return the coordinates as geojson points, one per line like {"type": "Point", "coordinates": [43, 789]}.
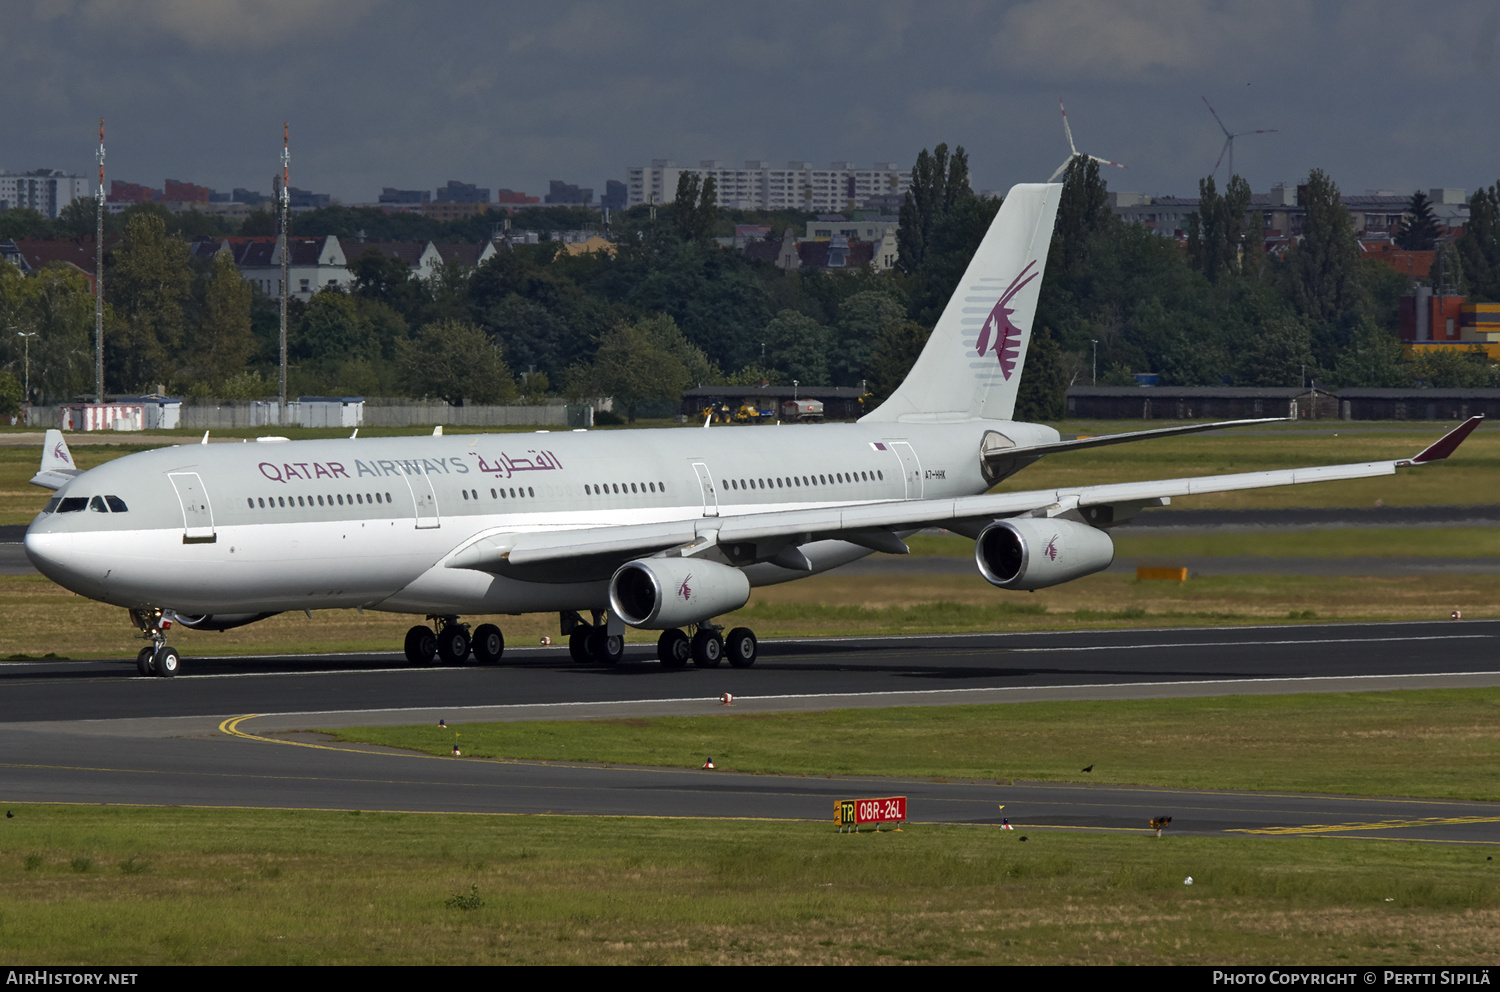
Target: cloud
{"type": "Point", "coordinates": [208, 24]}
{"type": "Point", "coordinates": [1130, 39]}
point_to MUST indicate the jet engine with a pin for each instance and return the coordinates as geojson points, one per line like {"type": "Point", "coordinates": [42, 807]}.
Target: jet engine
{"type": "Point", "coordinates": [661, 593]}
{"type": "Point", "coordinates": [1036, 552]}
{"type": "Point", "coordinates": [214, 621]}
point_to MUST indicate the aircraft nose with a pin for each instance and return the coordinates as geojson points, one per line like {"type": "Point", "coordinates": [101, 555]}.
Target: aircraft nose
{"type": "Point", "coordinates": [52, 554]}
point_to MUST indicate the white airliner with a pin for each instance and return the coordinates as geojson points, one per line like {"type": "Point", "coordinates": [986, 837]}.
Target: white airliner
{"type": "Point", "coordinates": [654, 529]}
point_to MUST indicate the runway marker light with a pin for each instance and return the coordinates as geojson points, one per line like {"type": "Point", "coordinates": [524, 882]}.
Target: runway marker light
{"type": "Point", "coordinates": [1160, 823]}
{"type": "Point", "coordinates": [726, 700]}
{"type": "Point", "coordinates": [456, 751]}
{"type": "Point", "coordinates": [708, 762]}
{"type": "Point", "coordinates": [443, 724]}
{"type": "Point", "coordinates": [546, 641]}
{"type": "Point", "coordinates": [1458, 614]}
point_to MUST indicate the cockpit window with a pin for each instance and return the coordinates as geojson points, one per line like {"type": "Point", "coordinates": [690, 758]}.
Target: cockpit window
{"type": "Point", "coordinates": [51, 504]}
{"type": "Point", "coordinates": [72, 504]}
{"type": "Point", "coordinates": [116, 504]}
{"type": "Point", "coordinates": [97, 505]}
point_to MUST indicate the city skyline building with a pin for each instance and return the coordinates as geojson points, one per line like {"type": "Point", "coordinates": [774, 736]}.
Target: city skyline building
{"type": "Point", "coordinates": [799, 185]}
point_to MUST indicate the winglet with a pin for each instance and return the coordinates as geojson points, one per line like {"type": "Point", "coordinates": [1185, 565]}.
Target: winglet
{"type": "Point", "coordinates": [1447, 444]}
{"type": "Point", "coordinates": [57, 468]}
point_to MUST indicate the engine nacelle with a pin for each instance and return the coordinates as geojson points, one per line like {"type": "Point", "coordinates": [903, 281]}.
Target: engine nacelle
{"type": "Point", "coordinates": [660, 593]}
{"type": "Point", "coordinates": [214, 621]}
{"type": "Point", "coordinates": [1036, 552]}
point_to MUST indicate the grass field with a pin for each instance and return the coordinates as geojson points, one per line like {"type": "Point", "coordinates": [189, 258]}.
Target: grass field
{"type": "Point", "coordinates": [149, 886]}
{"type": "Point", "coordinates": [1357, 743]}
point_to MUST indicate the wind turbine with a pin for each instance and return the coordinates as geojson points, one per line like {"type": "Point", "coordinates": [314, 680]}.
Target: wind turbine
{"type": "Point", "coordinates": [1074, 148]}
{"type": "Point", "coordinates": [1228, 139]}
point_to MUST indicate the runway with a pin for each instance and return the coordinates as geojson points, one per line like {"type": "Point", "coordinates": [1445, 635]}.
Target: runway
{"type": "Point", "coordinates": [93, 732]}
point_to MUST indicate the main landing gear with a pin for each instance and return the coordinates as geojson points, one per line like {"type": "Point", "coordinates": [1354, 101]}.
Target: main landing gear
{"type": "Point", "coordinates": [707, 647]}
{"type": "Point", "coordinates": [453, 644]}
{"type": "Point", "coordinates": [155, 658]}
{"type": "Point", "coordinates": [592, 642]}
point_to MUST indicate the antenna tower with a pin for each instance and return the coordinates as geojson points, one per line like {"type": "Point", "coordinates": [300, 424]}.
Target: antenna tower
{"type": "Point", "coordinates": [286, 161]}
{"type": "Point", "coordinates": [99, 279]}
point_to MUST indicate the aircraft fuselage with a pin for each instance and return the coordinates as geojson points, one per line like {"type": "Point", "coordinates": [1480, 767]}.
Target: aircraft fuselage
{"type": "Point", "coordinates": [275, 526]}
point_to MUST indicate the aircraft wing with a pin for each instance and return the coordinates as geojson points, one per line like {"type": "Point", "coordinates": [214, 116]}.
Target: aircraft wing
{"type": "Point", "coordinates": [876, 525]}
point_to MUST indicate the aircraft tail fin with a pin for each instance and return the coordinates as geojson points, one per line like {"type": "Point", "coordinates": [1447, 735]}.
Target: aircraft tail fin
{"type": "Point", "coordinates": [971, 366]}
{"type": "Point", "coordinates": [57, 469]}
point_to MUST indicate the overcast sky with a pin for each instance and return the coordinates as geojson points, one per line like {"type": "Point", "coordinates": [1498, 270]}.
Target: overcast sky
{"type": "Point", "coordinates": [1382, 95]}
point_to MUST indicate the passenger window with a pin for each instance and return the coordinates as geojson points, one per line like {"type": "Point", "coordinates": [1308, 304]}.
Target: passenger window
{"type": "Point", "coordinates": [530, 492]}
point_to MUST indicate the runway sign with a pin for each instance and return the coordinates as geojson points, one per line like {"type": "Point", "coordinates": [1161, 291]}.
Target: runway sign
{"type": "Point", "coordinates": [852, 814]}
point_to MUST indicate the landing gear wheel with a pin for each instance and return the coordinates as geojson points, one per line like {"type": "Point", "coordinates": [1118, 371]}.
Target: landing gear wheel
{"type": "Point", "coordinates": [167, 662]}
{"type": "Point", "coordinates": [421, 645]}
{"type": "Point", "coordinates": [578, 643]}
{"type": "Point", "coordinates": [708, 648]}
{"type": "Point", "coordinates": [605, 648]}
{"type": "Point", "coordinates": [741, 647]}
{"type": "Point", "coordinates": [673, 648]}
{"type": "Point", "coordinates": [489, 644]}
{"type": "Point", "coordinates": [453, 645]}
{"type": "Point", "coordinates": [143, 661]}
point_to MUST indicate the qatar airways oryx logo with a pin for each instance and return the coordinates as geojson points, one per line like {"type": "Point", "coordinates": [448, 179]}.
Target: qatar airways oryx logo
{"type": "Point", "coordinates": [684, 590]}
{"type": "Point", "coordinates": [61, 453]}
{"type": "Point", "coordinates": [1050, 551]}
{"type": "Point", "coordinates": [998, 333]}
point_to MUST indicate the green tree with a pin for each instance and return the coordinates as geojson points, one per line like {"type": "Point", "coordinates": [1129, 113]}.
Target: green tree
{"type": "Point", "coordinates": [1280, 354]}
{"type": "Point", "coordinates": [1082, 213]}
{"type": "Point", "coordinates": [224, 343]}
{"type": "Point", "coordinates": [1043, 391]}
{"type": "Point", "coordinates": [632, 367]}
{"type": "Point", "coordinates": [1421, 229]}
{"type": "Point", "coordinates": [56, 306]}
{"type": "Point", "coordinates": [456, 361]}
{"type": "Point", "coordinates": [938, 184]}
{"type": "Point", "coordinates": [1218, 235]}
{"type": "Point", "coordinates": [861, 318]}
{"type": "Point", "coordinates": [895, 352]}
{"type": "Point", "coordinates": [149, 285]}
{"type": "Point", "coordinates": [331, 329]}
{"type": "Point", "coordinates": [695, 207]}
{"type": "Point", "coordinates": [10, 395]}
{"type": "Point", "coordinates": [1372, 360]}
{"type": "Point", "coordinates": [1450, 368]}
{"type": "Point", "coordinates": [1321, 273]}
{"type": "Point", "coordinates": [1479, 245]}
{"type": "Point", "coordinates": [797, 347]}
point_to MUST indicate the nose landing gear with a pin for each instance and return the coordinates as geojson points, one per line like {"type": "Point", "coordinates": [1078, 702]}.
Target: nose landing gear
{"type": "Point", "coordinates": [156, 658]}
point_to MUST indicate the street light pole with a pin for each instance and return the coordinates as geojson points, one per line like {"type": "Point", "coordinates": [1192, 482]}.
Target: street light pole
{"type": "Point", "coordinates": [26, 337]}
{"type": "Point", "coordinates": [1095, 343]}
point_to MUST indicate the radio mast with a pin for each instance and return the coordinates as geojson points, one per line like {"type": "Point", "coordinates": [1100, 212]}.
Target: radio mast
{"type": "Point", "coordinates": [286, 161]}
{"type": "Point", "coordinates": [99, 280]}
